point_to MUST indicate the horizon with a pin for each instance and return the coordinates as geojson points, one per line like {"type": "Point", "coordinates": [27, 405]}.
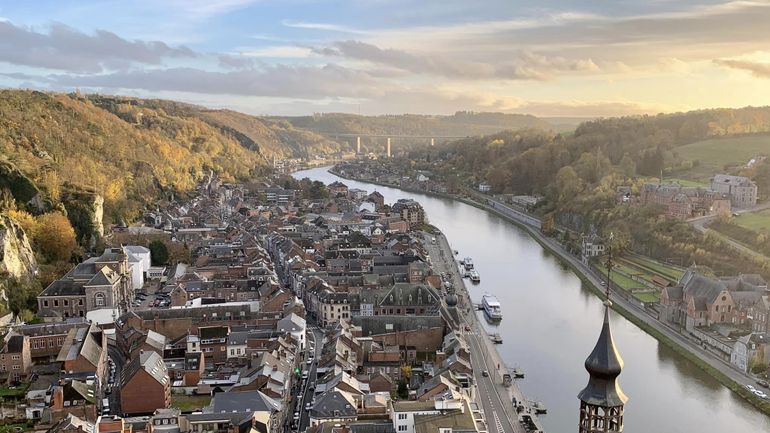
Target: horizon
{"type": "Point", "coordinates": [300, 57]}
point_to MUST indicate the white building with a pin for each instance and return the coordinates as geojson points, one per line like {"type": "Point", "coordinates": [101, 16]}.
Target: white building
{"type": "Point", "coordinates": [592, 247]}
{"type": "Point", "coordinates": [742, 190]}
{"type": "Point", "coordinates": [140, 260]}
{"type": "Point", "coordinates": [484, 187]}
{"type": "Point", "coordinates": [406, 415]}
{"type": "Point", "coordinates": [296, 326]}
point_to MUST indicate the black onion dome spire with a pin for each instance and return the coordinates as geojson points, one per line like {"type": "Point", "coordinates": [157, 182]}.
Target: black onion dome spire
{"type": "Point", "coordinates": [604, 365]}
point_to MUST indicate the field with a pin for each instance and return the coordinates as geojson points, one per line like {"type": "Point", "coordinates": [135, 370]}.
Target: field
{"type": "Point", "coordinates": [714, 154]}
{"type": "Point", "coordinates": [688, 182]}
{"type": "Point", "coordinates": [754, 221]}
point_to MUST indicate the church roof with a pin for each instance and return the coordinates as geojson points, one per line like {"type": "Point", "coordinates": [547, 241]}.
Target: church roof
{"type": "Point", "coordinates": [604, 364]}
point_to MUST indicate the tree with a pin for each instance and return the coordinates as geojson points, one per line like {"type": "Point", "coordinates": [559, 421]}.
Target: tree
{"type": "Point", "coordinates": [403, 390]}
{"type": "Point", "coordinates": [22, 296]}
{"type": "Point", "coordinates": [55, 237]}
{"type": "Point", "coordinates": [158, 252]}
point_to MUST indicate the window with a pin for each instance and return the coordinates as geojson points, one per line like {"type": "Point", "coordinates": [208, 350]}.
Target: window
{"type": "Point", "coordinates": [80, 301]}
{"type": "Point", "coordinates": [99, 300]}
{"type": "Point", "coordinates": [402, 416]}
{"type": "Point", "coordinates": [17, 367]}
{"type": "Point", "coordinates": [45, 303]}
{"type": "Point", "coordinates": [16, 357]}
{"type": "Point", "coordinates": [66, 303]}
{"type": "Point", "coordinates": [402, 428]}
{"type": "Point", "coordinates": [55, 302]}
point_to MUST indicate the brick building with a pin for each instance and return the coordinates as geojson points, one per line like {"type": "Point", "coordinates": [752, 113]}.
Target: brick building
{"type": "Point", "coordinates": [15, 359]}
{"type": "Point", "coordinates": [145, 385]}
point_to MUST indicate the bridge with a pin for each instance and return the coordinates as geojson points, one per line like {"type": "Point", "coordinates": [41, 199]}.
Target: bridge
{"type": "Point", "coordinates": [389, 137]}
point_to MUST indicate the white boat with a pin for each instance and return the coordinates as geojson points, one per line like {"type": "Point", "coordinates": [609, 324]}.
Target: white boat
{"type": "Point", "coordinates": [468, 263]}
{"type": "Point", "coordinates": [475, 277]}
{"type": "Point", "coordinates": [492, 307]}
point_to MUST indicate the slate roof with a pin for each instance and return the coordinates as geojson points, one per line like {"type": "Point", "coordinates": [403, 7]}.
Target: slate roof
{"type": "Point", "coordinates": [150, 362]}
{"type": "Point", "coordinates": [334, 404]}
{"type": "Point", "coordinates": [246, 401]}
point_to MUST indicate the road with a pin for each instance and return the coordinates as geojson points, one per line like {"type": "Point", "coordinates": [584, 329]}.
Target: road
{"type": "Point", "coordinates": [315, 339]}
{"type": "Point", "coordinates": [495, 400]}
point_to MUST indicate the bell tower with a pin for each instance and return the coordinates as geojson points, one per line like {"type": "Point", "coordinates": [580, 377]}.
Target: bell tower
{"type": "Point", "coordinates": [602, 401]}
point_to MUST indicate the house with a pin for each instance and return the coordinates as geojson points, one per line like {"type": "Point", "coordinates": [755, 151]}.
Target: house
{"type": "Point", "coordinates": [333, 406]}
{"type": "Point", "coordinates": [15, 358]}
{"type": "Point", "coordinates": [751, 350]}
{"type": "Point", "coordinates": [213, 343]}
{"type": "Point", "coordinates": [72, 424]}
{"type": "Point", "coordinates": [377, 198]}
{"type": "Point", "coordinates": [84, 351]}
{"type": "Point", "coordinates": [253, 404]}
{"type": "Point", "coordinates": [592, 246]}
{"type": "Point", "coordinates": [145, 385]}
{"type": "Point", "coordinates": [338, 189]}
{"type": "Point", "coordinates": [454, 416]}
{"type": "Point", "coordinates": [236, 344]}
{"type": "Point", "coordinates": [742, 190]}
{"type": "Point", "coordinates": [47, 339]}
{"type": "Point", "coordinates": [294, 325]}
{"type": "Point", "coordinates": [484, 187]}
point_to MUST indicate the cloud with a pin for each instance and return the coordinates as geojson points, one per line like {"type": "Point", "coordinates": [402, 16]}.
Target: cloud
{"type": "Point", "coordinates": [307, 82]}
{"type": "Point", "coordinates": [757, 69]}
{"type": "Point", "coordinates": [523, 65]}
{"type": "Point", "coordinates": [67, 49]}
{"type": "Point", "coordinates": [322, 26]}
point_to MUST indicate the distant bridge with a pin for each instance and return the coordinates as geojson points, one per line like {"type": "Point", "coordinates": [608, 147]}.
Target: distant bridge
{"type": "Point", "coordinates": [390, 137]}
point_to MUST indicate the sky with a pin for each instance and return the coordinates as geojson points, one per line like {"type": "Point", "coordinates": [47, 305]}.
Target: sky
{"type": "Point", "coordinates": [297, 57]}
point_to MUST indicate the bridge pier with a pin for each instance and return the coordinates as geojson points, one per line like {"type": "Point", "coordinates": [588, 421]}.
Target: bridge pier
{"type": "Point", "coordinates": [432, 142]}
{"type": "Point", "coordinates": [358, 145]}
{"type": "Point", "coordinates": [388, 147]}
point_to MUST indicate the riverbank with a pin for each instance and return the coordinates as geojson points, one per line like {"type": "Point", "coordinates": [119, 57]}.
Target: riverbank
{"type": "Point", "coordinates": [716, 368]}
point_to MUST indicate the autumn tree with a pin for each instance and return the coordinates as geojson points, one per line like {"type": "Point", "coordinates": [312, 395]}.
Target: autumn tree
{"type": "Point", "coordinates": [54, 236]}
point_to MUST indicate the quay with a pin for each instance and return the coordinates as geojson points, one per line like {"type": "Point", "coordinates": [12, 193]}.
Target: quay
{"type": "Point", "coordinates": [496, 392]}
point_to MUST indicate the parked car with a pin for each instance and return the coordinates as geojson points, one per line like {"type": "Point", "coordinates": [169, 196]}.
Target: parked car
{"type": "Point", "coordinates": [760, 394]}
{"type": "Point", "coordinates": [307, 406]}
{"type": "Point", "coordinates": [763, 383]}
{"type": "Point", "coordinates": [750, 387]}
{"type": "Point", "coordinates": [296, 416]}
{"type": "Point", "coordinates": [485, 373]}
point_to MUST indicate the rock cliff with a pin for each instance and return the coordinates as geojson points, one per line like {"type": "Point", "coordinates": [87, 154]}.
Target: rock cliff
{"type": "Point", "coordinates": [16, 257]}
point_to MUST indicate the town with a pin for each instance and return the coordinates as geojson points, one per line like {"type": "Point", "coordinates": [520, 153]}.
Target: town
{"type": "Point", "coordinates": [303, 308]}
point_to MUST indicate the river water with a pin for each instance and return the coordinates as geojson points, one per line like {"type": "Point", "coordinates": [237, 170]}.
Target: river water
{"type": "Point", "coordinates": [550, 324]}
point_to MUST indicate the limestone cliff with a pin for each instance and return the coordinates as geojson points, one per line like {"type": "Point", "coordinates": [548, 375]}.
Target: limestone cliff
{"type": "Point", "coordinates": [16, 257]}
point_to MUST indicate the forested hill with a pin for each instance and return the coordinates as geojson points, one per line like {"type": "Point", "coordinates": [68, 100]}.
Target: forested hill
{"type": "Point", "coordinates": [271, 138]}
{"type": "Point", "coordinates": [130, 151]}
{"type": "Point", "coordinates": [462, 123]}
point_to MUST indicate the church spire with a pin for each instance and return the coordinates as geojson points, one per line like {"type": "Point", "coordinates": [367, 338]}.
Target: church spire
{"type": "Point", "coordinates": [602, 401]}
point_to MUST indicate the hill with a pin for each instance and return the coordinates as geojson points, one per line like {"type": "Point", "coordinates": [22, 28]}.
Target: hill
{"type": "Point", "coordinates": [270, 138]}
{"type": "Point", "coordinates": [719, 154]}
{"type": "Point", "coordinates": [462, 123]}
{"type": "Point", "coordinates": [65, 143]}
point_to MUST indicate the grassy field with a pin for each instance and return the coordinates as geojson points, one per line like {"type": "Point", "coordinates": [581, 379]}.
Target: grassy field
{"type": "Point", "coordinates": [664, 270]}
{"type": "Point", "coordinates": [189, 403]}
{"type": "Point", "coordinates": [755, 221]}
{"type": "Point", "coordinates": [715, 153]}
{"type": "Point", "coordinates": [647, 297]}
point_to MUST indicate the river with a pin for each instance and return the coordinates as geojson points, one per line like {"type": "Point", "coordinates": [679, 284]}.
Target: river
{"type": "Point", "coordinates": [550, 324]}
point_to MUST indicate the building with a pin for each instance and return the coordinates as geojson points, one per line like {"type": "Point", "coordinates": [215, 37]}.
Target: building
{"type": "Point", "coordinates": [139, 259]}
{"type": "Point", "coordinates": [751, 350]}
{"type": "Point", "coordinates": [84, 351]}
{"type": "Point", "coordinates": [410, 211]}
{"type": "Point", "coordinates": [15, 358]}
{"type": "Point", "coordinates": [592, 246]}
{"type": "Point", "coordinates": [145, 385]}
{"type": "Point", "coordinates": [47, 339]}
{"type": "Point", "coordinates": [484, 187]}
{"type": "Point", "coordinates": [97, 283]}
{"type": "Point", "coordinates": [684, 202]}
{"type": "Point", "coordinates": [742, 190]}
{"type": "Point", "coordinates": [602, 401]}
{"type": "Point", "coordinates": [338, 189]}
{"type": "Point", "coordinates": [452, 416]}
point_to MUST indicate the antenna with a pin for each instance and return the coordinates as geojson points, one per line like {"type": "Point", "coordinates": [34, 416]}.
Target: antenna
{"type": "Point", "coordinates": [609, 268]}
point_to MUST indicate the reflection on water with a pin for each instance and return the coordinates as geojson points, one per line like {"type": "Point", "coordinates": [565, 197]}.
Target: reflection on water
{"type": "Point", "coordinates": [550, 324]}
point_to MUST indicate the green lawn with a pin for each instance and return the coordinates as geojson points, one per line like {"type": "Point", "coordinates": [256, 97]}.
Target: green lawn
{"type": "Point", "coordinates": [715, 153]}
{"type": "Point", "coordinates": [624, 282]}
{"type": "Point", "coordinates": [755, 221]}
{"type": "Point", "coordinates": [655, 266]}
{"type": "Point", "coordinates": [15, 392]}
{"type": "Point", "coordinates": [189, 403]}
